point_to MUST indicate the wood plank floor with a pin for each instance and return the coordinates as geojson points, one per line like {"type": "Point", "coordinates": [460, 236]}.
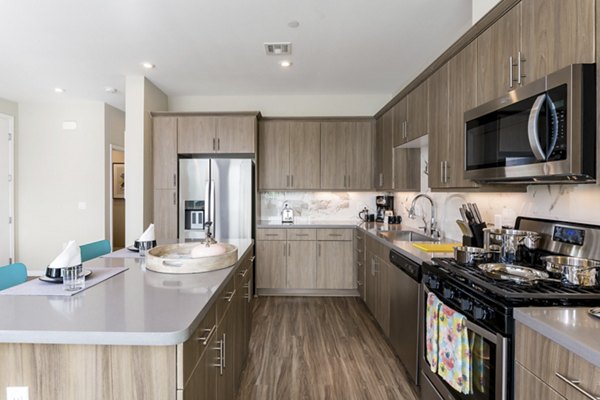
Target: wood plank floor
{"type": "Point", "coordinates": [319, 348]}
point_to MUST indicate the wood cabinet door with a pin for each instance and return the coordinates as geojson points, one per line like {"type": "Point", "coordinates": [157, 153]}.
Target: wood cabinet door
{"type": "Point", "coordinates": [270, 264]}
{"type": "Point", "coordinates": [438, 134]}
{"type": "Point", "coordinates": [462, 72]}
{"type": "Point", "coordinates": [165, 213]}
{"type": "Point", "coordinates": [378, 161]}
{"type": "Point", "coordinates": [528, 386]}
{"type": "Point", "coordinates": [494, 47]}
{"type": "Point", "coordinates": [302, 264]}
{"type": "Point", "coordinates": [400, 118]}
{"type": "Point", "coordinates": [203, 383]}
{"type": "Point", "coordinates": [196, 135]}
{"type": "Point", "coordinates": [556, 33]}
{"type": "Point", "coordinates": [164, 149]}
{"type": "Point", "coordinates": [371, 289]}
{"type": "Point", "coordinates": [387, 151]}
{"type": "Point", "coordinates": [359, 155]}
{"type": "Point", "coordinates": [225, 340]}
{"type": "Point", "coordinates": [274, 155]}
{"type": "Point", "coordinates": [333, 154]}
{"type": "Point", "coordinates": [407, 169]}
{"type": "Point", "coordinates": [383, 295]}
{"type": "Point", "coordinates": [334, 265]}
{"type": "Point", "coordinates": [417, 112]}
{"type": "Point", "coordinates": [236, 134]}
{"type": "Point", "coordinates": [305, 155]}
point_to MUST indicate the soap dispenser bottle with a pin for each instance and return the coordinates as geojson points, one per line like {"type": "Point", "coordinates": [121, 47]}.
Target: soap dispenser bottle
{"type": "Point", "coordinates": [287, 214]}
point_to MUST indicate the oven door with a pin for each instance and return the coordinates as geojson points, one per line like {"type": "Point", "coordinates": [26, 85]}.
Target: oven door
{"type": "Point", "coordinates": [489, 364]}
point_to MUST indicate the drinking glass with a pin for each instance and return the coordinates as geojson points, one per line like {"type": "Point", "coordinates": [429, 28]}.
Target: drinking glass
{"type": "Point", "coordinates": [73, 278]}
{"type": "Point", "coordinates": [144, 247]}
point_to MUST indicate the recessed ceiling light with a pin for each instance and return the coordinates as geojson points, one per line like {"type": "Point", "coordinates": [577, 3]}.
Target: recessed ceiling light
{"type": "Point", "coordinates": [148, 65]}
{"type": "Point", "coordinates": [59, 90]}
{"type": "Point", "coordinates": [293, 24]}
{"type": "Point", "coordinates": [109, 89]}
{"type": "Point", "coordinates": [285, 63]}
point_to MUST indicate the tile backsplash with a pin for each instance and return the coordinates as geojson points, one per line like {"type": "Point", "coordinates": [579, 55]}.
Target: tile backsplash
{"type": "Point", "coordinates": [577, 203]}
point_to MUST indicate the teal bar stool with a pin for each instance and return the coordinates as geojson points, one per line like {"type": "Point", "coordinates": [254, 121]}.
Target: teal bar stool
{"type": "Point", "coordinates": [95, 249]}
{"type": "Point", "coordinates": [12, 275]}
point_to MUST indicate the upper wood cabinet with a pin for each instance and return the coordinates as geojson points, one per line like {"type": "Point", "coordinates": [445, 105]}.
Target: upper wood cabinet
{"type": "Point", "coordinates": [455, 81]}
{"type": "Point", "coordinates": [383, 178]}
{"type": "Point", "coordinates": [498, 49]}
{"type": "Point", "coordinates": [289, 155]}
{"type": "Point", "coordinates": [164, 145]}
{"type": "Point", "coordinates": [417, 112]}
{"type": "Point", "coordinates": [229, 134]}
{"type": "Point", "coordinates": [556, 33]}
{"type": "Point", "coordinates": [346, 155]}
{"type": "Point", "coordinates": [407, 169]}
{"type": "Point", "coordinates": [400, 121]}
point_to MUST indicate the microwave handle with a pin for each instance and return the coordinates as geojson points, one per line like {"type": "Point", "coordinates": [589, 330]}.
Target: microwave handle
{"type": "Point", "coordinates": [532, 128]}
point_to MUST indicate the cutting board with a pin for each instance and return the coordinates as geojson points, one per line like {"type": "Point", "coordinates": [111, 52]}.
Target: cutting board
{"type": "Point", "coordinates": [437, 247]}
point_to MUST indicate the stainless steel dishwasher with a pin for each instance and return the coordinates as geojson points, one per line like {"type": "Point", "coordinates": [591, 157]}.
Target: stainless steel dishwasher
{"type": "Point", "coordinates": [404, 311]}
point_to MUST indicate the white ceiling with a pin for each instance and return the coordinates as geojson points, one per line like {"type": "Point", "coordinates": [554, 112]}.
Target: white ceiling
{"type": "Point", "coordinates": [216, 47]}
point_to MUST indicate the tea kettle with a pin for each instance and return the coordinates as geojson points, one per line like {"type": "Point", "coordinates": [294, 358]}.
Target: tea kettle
{"type": "Point", "coordinates": [287, 215]}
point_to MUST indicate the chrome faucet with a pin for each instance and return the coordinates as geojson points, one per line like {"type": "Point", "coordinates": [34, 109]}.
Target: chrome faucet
{"type": "Point", "coordinates": [430, 229]}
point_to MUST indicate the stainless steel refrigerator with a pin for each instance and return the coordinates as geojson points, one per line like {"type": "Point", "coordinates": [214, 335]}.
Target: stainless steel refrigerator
{"type": "Point", "coordinates": [218, 190]}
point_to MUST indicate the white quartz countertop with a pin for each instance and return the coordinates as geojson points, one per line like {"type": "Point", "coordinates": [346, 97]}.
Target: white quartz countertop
{"type": "Point", "coordinates": [371, 228]}
{"type": "Point", "coordinates": [570, 327]}
{"type": "Point", "coordinates": [137, 307]}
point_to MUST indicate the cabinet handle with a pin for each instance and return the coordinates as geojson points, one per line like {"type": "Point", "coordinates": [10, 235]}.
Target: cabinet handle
{"type": "Point", "coordinates": [284, 246]}
{"type": "Point", "coordinates": [289, 249]}
{"type": "Point", "coordinates": [405, 129]}
{"type": "Point", "coordinates": [380, 179]}
{"type": "Point", "coordinates": [510, 71]}
{"type": "Point", "coordinates": [174, 198]}
{"type": "Point", "coordinates": [359, 283]}
{"type": "Point", "coordinates": [219, 144]}
{"type": "Point", "coordinates": [206, 338]}
{"type": "Point", "coordinates": [243, 274]}
{"type": "Point", "coordinates": [174, 180]}
{"type": "Point", "coordinates": [252, 259]}
{"type": "Point", "coordinates": [224, 352]}
{"type": "Point", "coordinates": [287, 181]}
{"type": "Point", "coordinates": [575, 385]}
{"type": "Point", "coordinates": [221, 350]}
{"type": "Point", "coordinates": [214, 146]}
{"type": "Point", "coordinates": [441, 171]}
{"type": "Point", "coordinates": [230, 296]}
{"type": "Point", "coordinates": [292, 180]}
{"type": "Point", "coordinates": [359, 251]}
{"type": "Point", "coordinates": [335, 234]}
{"type": "Point", "coordinates": [319, 250]}
{"type": "Point", "coordinates": [271, 234]}
{"type": "Point", "coordinates": [519, 72]}
{"type": "Point", "coordinates": [301, 234]}
{"type": "Point", "coordinates": [348, 180]}
{"type": "Point", "coordinates": [344, 180]}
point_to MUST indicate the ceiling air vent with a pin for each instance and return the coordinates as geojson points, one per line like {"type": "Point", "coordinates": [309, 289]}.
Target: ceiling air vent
{"type": "Point", "coordinates": [278, 48]}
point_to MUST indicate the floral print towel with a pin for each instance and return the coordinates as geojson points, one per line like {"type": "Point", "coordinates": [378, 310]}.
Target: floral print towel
{"type": "Point", "coordinates": [454, 354]}
{"type": "Point", "coordinates": [431, 334]}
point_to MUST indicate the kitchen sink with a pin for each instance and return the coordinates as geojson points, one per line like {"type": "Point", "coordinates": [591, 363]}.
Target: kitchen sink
{"type": "Point", "coordinates": [405, 236]}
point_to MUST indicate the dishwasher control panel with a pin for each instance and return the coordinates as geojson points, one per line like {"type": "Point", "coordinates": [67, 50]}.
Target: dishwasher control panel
{"type": "Point", "coordinates": [410, 267]}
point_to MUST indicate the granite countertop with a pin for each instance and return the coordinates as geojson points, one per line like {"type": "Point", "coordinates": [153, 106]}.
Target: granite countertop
{"type": "Point", "coordinates": [136, 307]}
{"type": "Point", "coordinates": [570, 327]}
{"type": "Point", "coordinates": [372, 228]}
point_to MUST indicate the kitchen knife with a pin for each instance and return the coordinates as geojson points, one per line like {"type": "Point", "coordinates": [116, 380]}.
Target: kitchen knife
{"type": "Point", "coordinates": [471, 208]}
{"type": "Point", "coordinates": [477, 213]}
{"type": "Point", "coordinates": [463, 215]}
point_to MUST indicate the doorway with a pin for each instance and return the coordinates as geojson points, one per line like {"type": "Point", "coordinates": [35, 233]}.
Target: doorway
{"type": "Point", "coordinates": [117, 158]}
{"type": "Point", "coordinates": [7, 230]}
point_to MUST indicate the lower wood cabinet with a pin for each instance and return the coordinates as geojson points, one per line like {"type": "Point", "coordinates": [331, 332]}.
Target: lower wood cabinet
{"type": "Point", "coordinates": [359, 261]}
{"type": "Point", "coordinates": [377, 283]}
{"type": "Point", "coordinates": [303, 261]}
{"type": "Point", "coordinates": [564, 374]}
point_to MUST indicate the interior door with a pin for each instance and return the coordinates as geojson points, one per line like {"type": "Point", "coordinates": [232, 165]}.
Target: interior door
{"type": "Point", "coordinates": [6, 190]}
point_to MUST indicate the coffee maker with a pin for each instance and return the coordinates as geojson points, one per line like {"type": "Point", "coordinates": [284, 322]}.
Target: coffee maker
{"type": "Point", "coordinates": [384, 203]}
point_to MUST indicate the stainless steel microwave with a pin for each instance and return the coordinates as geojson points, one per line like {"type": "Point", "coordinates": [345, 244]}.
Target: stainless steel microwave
{"type": "Point", "coordinates": [544, 132]}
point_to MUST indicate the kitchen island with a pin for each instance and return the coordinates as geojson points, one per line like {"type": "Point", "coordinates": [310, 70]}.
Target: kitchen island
{"type": "Point", "coordinates": [134, 336]}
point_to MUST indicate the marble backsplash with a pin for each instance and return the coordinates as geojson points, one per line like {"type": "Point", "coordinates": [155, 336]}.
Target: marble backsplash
{"type": "Point", "coordinates": [577, 203]}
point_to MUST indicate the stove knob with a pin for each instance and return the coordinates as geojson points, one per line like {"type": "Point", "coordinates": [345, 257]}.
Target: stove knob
{"type": "Point", "coordinates": [480, 313]}
{"type": "Point", "coordinates": [433, 283]}
{"type": "Point", "coordinates": [466, 304]}
{"type": "Point", "coordinates": [448, 293]}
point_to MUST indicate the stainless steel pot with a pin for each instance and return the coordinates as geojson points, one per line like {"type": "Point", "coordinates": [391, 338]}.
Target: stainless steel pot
{"type": "Point", "coordinates": [471, 255]}
{"type": "Point", "coordinates": [574, 271]}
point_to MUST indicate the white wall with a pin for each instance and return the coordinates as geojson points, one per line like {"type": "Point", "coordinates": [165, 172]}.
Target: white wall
{"type": "Point", "coordinates": [481, 7]}
{"type": "Point", "coordinates": [141, 98]}
{"type": "Point", "coordinates": [288, 106]}
{"type": "Point", "coordinates": [57, 169]}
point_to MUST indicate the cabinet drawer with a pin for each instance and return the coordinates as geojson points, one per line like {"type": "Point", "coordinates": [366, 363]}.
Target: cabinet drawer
{"type": "Point", "coordinates": [301, 234]}
{"type": "Point", "coordinates": [189, 352]}
{"type": "Point", "coordinates": [334, 234]}
{"type": "Point", "coordinates": [359, 235]}
{"type": "Point", "coordinates": [225, 298]}
{"type": "Point", "coordinates": [528, 386]}
{"type": "Point", "coordinates": [244, 269]}
{"type": "Point", "coordinates": [271, 234]}
{"type": "Point", "coordinates": [547, 360]}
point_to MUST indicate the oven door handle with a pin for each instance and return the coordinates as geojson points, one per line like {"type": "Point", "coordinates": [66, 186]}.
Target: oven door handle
{"type": "Point", "coordinates": [532, 128]}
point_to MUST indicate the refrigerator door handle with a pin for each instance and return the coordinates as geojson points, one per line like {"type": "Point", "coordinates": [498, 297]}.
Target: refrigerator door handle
{"type": "Point", "coordinates": [211, 203]}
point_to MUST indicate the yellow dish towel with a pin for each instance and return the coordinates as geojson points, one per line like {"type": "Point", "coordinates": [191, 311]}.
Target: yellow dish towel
{"type": "Point", "coordinates": [431, 331]}
{"type": "Point", "coordinates": [454, 357]}
{"type": "Point", "coordinates": [437, 247]}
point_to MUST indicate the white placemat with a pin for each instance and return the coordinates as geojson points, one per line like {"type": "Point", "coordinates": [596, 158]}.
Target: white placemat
{"type": "Point", "coordinates": [123, 253]}
{"type": "Point", "coordinates": [36, 287]}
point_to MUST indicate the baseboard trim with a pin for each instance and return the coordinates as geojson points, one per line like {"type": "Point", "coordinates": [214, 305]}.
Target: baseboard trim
{"type": "Point", "coordinates": [309, 292]}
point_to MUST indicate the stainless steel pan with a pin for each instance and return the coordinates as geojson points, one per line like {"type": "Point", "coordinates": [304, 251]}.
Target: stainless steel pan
{"type": "Point", "coordinates": [574, 271]}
